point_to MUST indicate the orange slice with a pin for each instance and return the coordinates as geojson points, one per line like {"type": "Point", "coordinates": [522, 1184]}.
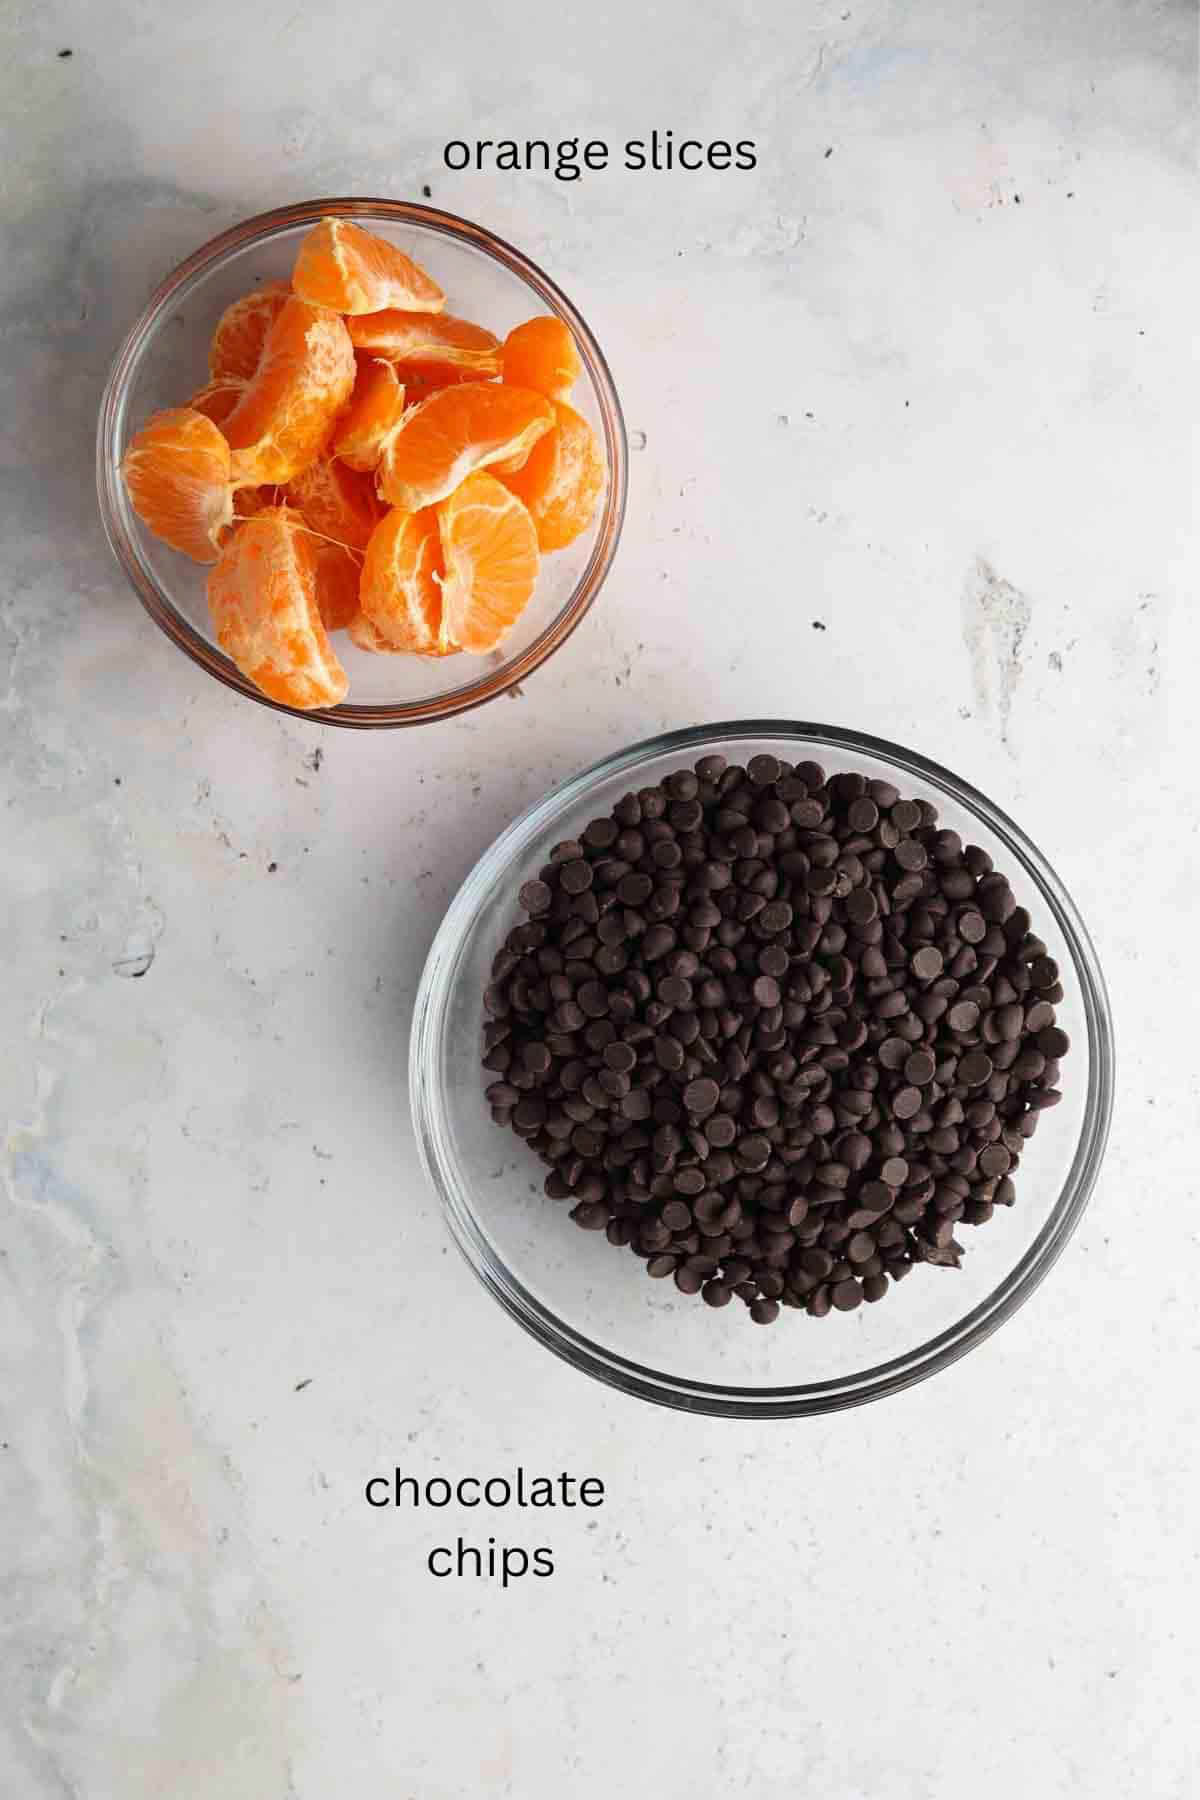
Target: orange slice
{"type": "Point", "coordinates": [457, 430]}
{"type": "Point", "coordinates": [342, 266]}
{"type": "Point", "coordinates": [541, 355]}
{"type": "Point", "coordinates": [562, 479]}
{"type": "Point", "coordinates": [336, 501]}
{"type": "Point", "coordinates": [491, 555]}
{"type": "Point", "coordinates": [375, 408]}
{"type": "Point", "coordinates": [400, 592]}
{"type": "Point", "coordinates": [217, 398]}
{"type": "Point", "coordinates": [177, 473]}
{"type": "Point", "coordinates": [262, 595]}
{"type": "Point", "coordinates": [428, 343]}
{"type": "Point", "coordinates": [363, 633]}
{"type": "Point", "coordinates": [337, 574]}
{"type": "Point", "coordinates": [241, 332]}
{"type": "Point", "coordinates": [249, 501]}
{"type": "Point", "coordinates": [304, 377]}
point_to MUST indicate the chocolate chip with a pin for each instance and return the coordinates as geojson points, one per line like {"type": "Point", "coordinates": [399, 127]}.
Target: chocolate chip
{"type": "Point", "coordinates": [919, 1067]}
{"type": "Point", "coordinates": [927, 963]}
{"type": "Point", "coordinates": [700, 1097]}
{"type": "Point", "coordinates": [975, 1068]}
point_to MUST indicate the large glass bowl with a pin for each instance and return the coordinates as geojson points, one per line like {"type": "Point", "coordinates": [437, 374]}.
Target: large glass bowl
{"type": "Point", "coordinates": [165, 358]}
{"type": "Point", "coordinates": [593, 1305]}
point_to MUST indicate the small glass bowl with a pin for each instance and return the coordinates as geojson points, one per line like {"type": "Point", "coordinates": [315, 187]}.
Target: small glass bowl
{"type": "Point", "coordinates": [593, 1305]}
{"type": "Point", "coordinates": [165, 359]}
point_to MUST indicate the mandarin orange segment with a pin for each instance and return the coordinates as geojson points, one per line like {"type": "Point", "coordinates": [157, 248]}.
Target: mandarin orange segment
{"type": "Point", "coordinates": [562, 479]}
{"type": "Point", "coordinates": [336, 501]}
{"type": "Point", "coordinates": [490, 549]}
{"type": "Point", "coordinates": [361, 632]}
{"type": "Point", "coordinates": [304, 377]}
{"type": "Point", "coordinates": [354, 271]}
{"type": "Point", "coordinates": [400, 592]}
{"type": "Point", "coordinates": [541, 354]}
{"type": "Point", "coordinates": [249, 501]}
{"type": "Point", "coordinates": [457, 430]}
{"type": "Point", "coordinates": [263, 597]}
{"type": "Point", "coordinates": [217, 398]}
{"type": "Point", "coordinates": [242, 330]}
{"type": "Point", "coordinates": [432, 343]}
{"type": "Point", "coordinates": [375, 408]}
{"type": "Point", "coordinates": [177, 473]}
{"type": "Point", "coordinates": [337, 574]}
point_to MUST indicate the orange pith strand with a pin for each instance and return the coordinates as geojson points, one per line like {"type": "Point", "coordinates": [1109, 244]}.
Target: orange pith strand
{"type": "Point", "coordinates": [355, 271]}
{"type": "Point", "coordinates": [263, 595]}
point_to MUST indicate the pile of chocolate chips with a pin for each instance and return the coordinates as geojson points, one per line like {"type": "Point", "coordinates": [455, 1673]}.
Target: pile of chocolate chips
{"type": "Point", "coordinates": [775, 1032]}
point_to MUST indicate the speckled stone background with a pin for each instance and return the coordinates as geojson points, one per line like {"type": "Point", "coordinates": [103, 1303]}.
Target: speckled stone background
{"type": "Point", "coordinates": [911, 431]}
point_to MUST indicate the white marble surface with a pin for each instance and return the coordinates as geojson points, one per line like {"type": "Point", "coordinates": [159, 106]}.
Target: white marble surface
{"type": "Point", "coordinates": [919, 378]}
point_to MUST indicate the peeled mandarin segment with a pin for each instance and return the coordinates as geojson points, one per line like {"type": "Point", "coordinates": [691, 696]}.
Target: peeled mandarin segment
{"type": "Point", "coordinates": [363, 633]}
{"type": "Point", "coordinates": [400, 592]}
{"type": "Point", "coordinates": [353, 271]}
{"type": "Point", "coordinates": [491, 555]}
{"type": "Point", "coordinates": [541, 354]}
{"type": "Point", "coordinates": [336, 501]}
{"type": "Point", "coordinates": [337, 572]}
{"type": "Point", "coordinates": [177, 474]}
{"type": "Point", "coordinates": [262, 595]}
{"type": "Point", "coordinates": [457, 430]}
{"type": "Point", "coordinates": [242, 330]}
{"type": "Point", "coordinates": [217, 398]}
{"type": "Point", "coordinates": [562, 480]}
{"type": "Point", "coordinates": [375, 408]}
{"type": "Point", "coordinates": [304, 377]}
{"type": "Point", "coordinates": [433, 342]}
{"type": "Point", "coordinates": [249, 501]}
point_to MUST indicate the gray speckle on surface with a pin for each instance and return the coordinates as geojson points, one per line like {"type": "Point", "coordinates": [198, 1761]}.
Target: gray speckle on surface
{"type": "Point", "coordinates": [995, 619]}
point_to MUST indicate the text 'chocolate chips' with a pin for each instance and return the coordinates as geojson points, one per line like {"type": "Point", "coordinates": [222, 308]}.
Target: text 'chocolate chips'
{"type": "Point", "coordinates": [774, 1032]}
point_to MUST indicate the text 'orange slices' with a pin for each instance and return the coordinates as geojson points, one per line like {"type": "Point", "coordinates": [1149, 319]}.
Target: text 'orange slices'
{"type": "Point", "coordinates": [264, 598]}
{"type": "Point", "coordinates": [351, 270]}
{"type": "Point", "coordinates": [456, 431]}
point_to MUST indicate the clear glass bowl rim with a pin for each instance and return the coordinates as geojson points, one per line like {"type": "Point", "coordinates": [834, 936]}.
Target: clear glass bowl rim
{"type": "Point", "coordinates": [633, 1378]}
{"type": "Point", "coordinates": [261, 229]}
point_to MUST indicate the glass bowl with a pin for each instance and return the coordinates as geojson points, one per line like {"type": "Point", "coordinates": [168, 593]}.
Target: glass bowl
{"type": "Point", "coordinates": [165, 358]}
{"type": "Point", "coordinates": [594, 1306]}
